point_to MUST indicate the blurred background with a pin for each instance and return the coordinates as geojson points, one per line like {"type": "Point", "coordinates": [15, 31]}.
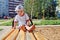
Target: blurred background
{"type": "Point", "coordinates": [42, 12]}
{"type": "Point", "coordinates": [37, 9]}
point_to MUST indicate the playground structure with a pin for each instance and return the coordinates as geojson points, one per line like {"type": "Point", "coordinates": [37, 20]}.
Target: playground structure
{"type": "Point", "coordinates": [49, 32]}
{"type": "Point", "coordinates": [15, 34]}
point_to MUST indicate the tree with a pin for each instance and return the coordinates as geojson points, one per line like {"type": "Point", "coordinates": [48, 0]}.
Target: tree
{"type": "Point", "coordinates": [36, 7]}
{"type": "Point", "coordinates": [32, 7]}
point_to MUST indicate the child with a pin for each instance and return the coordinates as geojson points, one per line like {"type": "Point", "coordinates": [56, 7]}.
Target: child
{"type": "Point", "coordinates": [22, 19]}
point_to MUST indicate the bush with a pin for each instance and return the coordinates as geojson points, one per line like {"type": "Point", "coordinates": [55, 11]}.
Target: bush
{"type": "Point", "coordinates": [51, 18]}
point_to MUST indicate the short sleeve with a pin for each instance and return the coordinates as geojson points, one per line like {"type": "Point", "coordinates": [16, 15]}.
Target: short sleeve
{"type": "Point", "coordinates": [16, 18]}
{"type": "Point", "coordinates": [27, 17]}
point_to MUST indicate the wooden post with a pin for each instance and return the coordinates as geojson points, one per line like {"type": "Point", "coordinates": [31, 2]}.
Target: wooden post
{"type": "Point", "coordinates": [7, 34]}
{"type": "Point", "coordinates": [32, 36]}
{"type": "Point", "coordinates": [21, 35]}
{"type": "Point", "coordinates": [13, 35]}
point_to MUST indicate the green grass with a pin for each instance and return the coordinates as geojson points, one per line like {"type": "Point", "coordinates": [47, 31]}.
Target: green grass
{"type": "Point", "coordinates": [6, 22]}
{"type": "Point", "coordinates": [1, 29]}
{"type": "Point", "coordinates": [1, 20]}
{"type": "Point", "coordinates": [36, 22]}
{"type": "Point", "coordinates": [47, 22]}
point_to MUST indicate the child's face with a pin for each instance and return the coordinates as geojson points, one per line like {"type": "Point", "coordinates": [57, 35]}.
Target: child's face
{"type": "Point", "coordinates": [20, 12]}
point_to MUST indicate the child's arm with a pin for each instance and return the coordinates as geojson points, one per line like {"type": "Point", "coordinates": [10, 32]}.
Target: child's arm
{"type": "Point", "coordinates": [28, 22]}
{"type": "Point", "coordinates": [15, 23]}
